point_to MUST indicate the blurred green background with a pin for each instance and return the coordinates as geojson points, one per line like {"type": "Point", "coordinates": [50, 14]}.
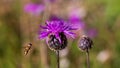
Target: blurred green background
{"type": "Point", "coordinates": [18, 28]}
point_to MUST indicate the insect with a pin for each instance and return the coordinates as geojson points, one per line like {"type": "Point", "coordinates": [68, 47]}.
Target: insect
{"type": "Point", "coordinates": [27, 48]}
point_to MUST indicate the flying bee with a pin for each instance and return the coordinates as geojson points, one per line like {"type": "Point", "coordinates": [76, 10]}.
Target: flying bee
{"type": "Point", "coordinates": [27, 48]}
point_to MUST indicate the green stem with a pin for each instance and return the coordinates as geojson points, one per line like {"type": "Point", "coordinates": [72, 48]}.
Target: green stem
{"type": "Point", "coordinates": [58, 64]}
{"type": "Point", "coordinates": [88, 60]}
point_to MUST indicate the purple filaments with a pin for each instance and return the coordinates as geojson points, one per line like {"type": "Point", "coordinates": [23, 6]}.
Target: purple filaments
{"type": "Point", "coordinates": [56, 27]}
{"type": "Point", "coordinates": [34, 9]}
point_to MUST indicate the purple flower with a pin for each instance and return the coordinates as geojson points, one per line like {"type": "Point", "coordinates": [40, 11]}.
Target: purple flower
{"type": "Point", "coordinates": [56, 32]}
{"type": "Point", "coordinates": [77, 22]}
{"type": "Point", "coordinates": [34, 9]}
{"type": "Point", "coordinates": [75, 17]}
{"type": "Point", "coordinates": [56, 27]}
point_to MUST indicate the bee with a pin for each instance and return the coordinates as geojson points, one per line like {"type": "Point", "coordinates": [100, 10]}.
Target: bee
{"type": "Point", "coordinates": [27, 48]}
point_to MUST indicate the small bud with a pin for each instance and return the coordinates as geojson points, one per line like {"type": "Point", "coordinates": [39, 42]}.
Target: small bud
{"type": "Point", "coordinates": [55, 44]}
{"type": "Point", "coordinates": [85, 43]}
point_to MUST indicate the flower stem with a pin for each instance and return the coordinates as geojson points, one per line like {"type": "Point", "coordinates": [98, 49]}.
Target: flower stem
{"type": "Point", "coordinates": [58, 64]}
{"type": "Point", "coordinates": [88, 60]}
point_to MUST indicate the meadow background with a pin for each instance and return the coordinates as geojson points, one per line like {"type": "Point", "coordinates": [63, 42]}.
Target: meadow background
{"type": "Point", "coordinates": [18, 28]}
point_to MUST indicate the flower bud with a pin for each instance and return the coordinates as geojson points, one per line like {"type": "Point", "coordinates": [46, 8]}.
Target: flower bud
{"type": "Point", "coordinates": [85, 43]}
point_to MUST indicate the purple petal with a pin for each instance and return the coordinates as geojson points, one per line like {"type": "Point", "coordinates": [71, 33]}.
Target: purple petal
{"type": "Point", "coordinates": [65, 27]}
{"type": "Point", "coordinates": [71, 34]}
{"type": "Point", "coordinates": [43, 34]}
{"type": "Point", "coordinates": [43, 27]}
{"type": "Point", "coordinates": [72, 28]}
{"type": "Point", "coordinates": [48, 24]}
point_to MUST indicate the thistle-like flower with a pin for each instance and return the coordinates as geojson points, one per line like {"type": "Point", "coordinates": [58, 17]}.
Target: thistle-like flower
{"type": "Point", "coordinates": [55, 33]}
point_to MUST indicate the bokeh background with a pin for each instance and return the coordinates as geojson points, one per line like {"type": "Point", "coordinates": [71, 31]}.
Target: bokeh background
{"type": "Point", "coordinates": [18, 27]}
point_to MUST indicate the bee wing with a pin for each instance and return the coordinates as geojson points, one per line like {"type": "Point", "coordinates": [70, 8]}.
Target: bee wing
{"type": "Point", "coordinates": [26, 50]}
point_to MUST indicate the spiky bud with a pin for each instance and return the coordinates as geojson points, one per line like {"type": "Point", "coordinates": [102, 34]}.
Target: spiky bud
{"type": "Point", "coordinates": [55, 44]}
{"type": "Point", "coordinates": [85, 43]}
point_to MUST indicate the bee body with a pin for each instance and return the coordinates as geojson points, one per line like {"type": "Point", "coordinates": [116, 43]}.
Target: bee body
{"type": "Point", "coordinates": [27, 48]}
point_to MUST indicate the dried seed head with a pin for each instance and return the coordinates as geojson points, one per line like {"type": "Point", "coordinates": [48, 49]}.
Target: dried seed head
{"type": "Point", "coordinates": [85, 43]}
{"type": "Point", "coordinates": [55, 44]}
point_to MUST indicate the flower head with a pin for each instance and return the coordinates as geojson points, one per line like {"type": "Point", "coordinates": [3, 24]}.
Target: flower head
{"type": "Point", "coordinates": [56, 31]}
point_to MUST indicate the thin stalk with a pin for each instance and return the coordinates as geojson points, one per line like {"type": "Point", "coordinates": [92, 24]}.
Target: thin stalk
{"type": "Point", "coordinates": [58, 64]}
{"type": "Point", "coordinates": [30, 29]}
{"type": "Point", "coordinates": [88, 60]}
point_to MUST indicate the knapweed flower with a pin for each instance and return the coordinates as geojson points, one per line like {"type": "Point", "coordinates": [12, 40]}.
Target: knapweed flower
{"type": "Point", "coordinates": [55, 33]}
{"type": "Point", "coordinates": [75, 17]}
{"type": "Point", "coordinates": [85, 43]}
{"type": "Point", "coordinates": [77, 22]}
{"type": "Point", "coordinates": [34, 9]}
